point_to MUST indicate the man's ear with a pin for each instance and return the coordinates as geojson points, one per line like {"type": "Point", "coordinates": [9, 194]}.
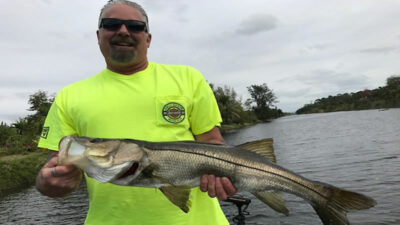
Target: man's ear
{"type": "Point", "coordinates": [97, 34]}
{"type": "Point", "coordinates": [148, 40]}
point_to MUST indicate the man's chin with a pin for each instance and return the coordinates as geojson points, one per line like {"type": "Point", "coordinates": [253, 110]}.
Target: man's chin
{"type": "Point", "coordinates": [123, 59]}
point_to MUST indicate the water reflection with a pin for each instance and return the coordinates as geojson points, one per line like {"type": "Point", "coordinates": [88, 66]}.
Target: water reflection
{"type": "Point", "coordinates": [30, 207]}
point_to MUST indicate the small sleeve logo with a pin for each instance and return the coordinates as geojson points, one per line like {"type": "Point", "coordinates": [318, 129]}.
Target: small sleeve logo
{"type": "Point", "coordinates": [45, 132]}
{"type": "Point", "coordinates": [173, 112]}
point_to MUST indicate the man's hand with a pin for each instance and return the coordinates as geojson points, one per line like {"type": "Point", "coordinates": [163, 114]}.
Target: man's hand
{"type": "Point", "coordinates": [220, 187]}
{"type": "Point", "coordinates": [58, 180]}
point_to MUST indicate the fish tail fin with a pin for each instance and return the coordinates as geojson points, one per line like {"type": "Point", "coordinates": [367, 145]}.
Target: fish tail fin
{"type": "Point", "coordinates": [339, 201]}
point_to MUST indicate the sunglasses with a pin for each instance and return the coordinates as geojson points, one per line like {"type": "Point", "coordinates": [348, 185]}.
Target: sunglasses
{"type": "Point", "coordinates": [113, 24]}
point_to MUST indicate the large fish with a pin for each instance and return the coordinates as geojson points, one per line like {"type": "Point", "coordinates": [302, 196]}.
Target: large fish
{"type": "Point", "coordinates": [175, 167]}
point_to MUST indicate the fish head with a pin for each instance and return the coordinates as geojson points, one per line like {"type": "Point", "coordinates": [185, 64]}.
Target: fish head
{"type": "Point", "coordinates": [105, 160]}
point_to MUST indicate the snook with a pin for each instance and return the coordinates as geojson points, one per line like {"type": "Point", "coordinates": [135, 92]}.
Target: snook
{"type": "Point", "coordinates": [175, 167]}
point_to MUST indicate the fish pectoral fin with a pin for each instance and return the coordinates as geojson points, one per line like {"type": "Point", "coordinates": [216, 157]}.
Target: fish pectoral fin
{"type": "Point", "coordinates": [274, 200]}
{"type": "Point", "coordinates": [151, 172]}
{"type": "Point", "coordinates": [262, 147]}
{"type": "Point", "coordinates": [178, 195]}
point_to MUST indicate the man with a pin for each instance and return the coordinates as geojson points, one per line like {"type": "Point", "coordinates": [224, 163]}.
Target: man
{"type": "Point", "coordinates": [137, 99]}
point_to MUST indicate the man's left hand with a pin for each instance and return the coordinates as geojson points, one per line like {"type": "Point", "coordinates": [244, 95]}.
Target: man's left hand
{"type": "Point", "coordinates": [220, 187]}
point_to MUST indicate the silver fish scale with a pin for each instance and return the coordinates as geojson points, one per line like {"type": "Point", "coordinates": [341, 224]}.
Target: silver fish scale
{"type": "Point", "coordinates": [245, 169]}
{"type": "Point", "coordinates": [248, 171]}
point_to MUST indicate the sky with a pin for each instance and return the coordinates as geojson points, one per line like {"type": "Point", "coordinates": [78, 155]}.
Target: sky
{"type": "Point", "coordinates": [302, 49]}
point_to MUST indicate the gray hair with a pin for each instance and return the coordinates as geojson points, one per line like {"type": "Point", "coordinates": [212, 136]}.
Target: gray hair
{"type": "Point", "coordinates": [125, 2]}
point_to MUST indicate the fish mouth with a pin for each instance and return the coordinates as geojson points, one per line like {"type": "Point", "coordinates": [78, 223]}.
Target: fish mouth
{"type": "Point", "coordinates": [130, 171]}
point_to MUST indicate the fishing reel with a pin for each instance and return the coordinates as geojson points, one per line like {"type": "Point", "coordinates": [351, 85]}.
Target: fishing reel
{"type": "Point", "coordinates": [242, 204]}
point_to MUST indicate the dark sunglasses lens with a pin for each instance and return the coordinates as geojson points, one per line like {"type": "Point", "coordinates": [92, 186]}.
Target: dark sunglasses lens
{"type": "Point", "coordinates": [135, 26]}
{"type": "Point", "coordinates": [111, 24]}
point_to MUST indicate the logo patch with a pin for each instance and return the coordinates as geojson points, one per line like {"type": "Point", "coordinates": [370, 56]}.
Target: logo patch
{"type": "Point", "coordinates": [45, 132]}
{"type": "Point", "coordinates": [173, 112]}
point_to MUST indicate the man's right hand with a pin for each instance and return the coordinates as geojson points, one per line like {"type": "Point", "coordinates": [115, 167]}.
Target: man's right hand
{"type": "Point", "coordinates": [58, 180]}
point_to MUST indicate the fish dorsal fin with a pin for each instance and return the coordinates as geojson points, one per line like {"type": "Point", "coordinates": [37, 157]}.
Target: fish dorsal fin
{"type": "Point", "coordinates": [274, 200]}
{"type": "Point", "coordinates": [178, 195]}
{"type": "Point", "coordinates": [263, 147]}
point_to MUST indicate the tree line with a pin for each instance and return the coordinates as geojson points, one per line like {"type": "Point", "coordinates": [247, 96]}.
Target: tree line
{"type": "Point", "coordinates": [387, 96]}
{"type": "Point", "coordinates": [259, 107]}
{"type": "Point", "coordinates": [23, 135]}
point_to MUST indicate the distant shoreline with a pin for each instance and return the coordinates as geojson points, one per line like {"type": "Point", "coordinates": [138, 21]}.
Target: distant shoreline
{"type": "Point", "coordinates": [232, 127]}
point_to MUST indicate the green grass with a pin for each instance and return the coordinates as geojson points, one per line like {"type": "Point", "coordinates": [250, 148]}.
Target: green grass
{"type": "Point", "coordinates": [19, 171]}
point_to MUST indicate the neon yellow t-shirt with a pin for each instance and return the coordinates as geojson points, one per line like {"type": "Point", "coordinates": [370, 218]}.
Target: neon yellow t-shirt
{"type": "Point", "coordinates": [160, 103]}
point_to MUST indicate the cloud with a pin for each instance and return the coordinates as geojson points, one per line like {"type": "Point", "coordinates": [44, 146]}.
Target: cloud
{"type": "Point", "coordinates": [47, 1]}
{"type": "Point", "coordinates": [315, 48]}
{"type": "Point", "coordinates": [159, 9]}
{"type": "Point", "coordinates": [297, 90]}
{"type": "Point", "coordinates": [318, 52]}
{"type": "Point", "coordinates": [10, 118]}
{"type": "Point", "coordinates": [257, 23]}
{"type": "Point", "coordinates": [328, 80]}
{"type": "Point", "coordinates": [13, 104]}
{"type": "Point", "coordinates": [287, 93]}
{"type": "Point", "coordinates": [377, 50]}
{"type": "Point", "coordinates": [300, 89]}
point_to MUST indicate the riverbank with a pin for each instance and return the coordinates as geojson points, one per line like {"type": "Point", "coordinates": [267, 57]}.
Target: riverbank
{"type": "Point", "coordinates": [19, 171]}
{"type": "Point", "coordinates": [232, 127]}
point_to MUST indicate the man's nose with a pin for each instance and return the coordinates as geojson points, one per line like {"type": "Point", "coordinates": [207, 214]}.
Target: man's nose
{"type": "Point", "coordinates": [123, 29]}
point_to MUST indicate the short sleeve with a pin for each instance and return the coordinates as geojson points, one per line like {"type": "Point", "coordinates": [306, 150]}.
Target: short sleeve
{"type": "Point", "coordinates": [205, 114]}
{"type": "Point", "coordinates": [57, 125]}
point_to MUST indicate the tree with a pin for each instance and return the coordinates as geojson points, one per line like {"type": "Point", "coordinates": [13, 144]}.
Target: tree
{"type": "Point", "coordinates": [5, 133]}
{"type": "Point", "coordinates": [28, 129]}
{"type": "Point", "coordinates": [40, 103]}
{"type": "Point", "coordinates": [393, 81]}
{"type": "Point", "coordinates": [229, 105]}
{"type": "Point", "coordinates": [264, 100]}
{"type": "Point", "coordinates": [32, 124]}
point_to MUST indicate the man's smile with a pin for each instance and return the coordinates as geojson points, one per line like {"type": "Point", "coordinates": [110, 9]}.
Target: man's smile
{"type": "Point", "coordinates": [123, 44]}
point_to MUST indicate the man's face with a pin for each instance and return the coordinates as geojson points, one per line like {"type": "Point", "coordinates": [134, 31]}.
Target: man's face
{"type": "Point", "coordinates": [122, 47]}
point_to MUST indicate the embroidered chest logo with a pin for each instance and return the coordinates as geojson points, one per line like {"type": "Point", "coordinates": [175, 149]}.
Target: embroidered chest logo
{"type": "Point", "coordinates": [173, 112]}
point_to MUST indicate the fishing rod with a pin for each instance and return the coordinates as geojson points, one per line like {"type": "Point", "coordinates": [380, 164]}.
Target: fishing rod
{"type": "Point", "coordinates": [240, 202]}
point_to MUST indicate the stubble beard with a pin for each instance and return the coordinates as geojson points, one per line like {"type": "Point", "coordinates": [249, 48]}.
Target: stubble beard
{"type": "Point", "coordinates": [122, 56]}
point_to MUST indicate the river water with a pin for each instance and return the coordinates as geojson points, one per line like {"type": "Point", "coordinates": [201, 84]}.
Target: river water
{"type": "Point", "coordinates": [356, 150]}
